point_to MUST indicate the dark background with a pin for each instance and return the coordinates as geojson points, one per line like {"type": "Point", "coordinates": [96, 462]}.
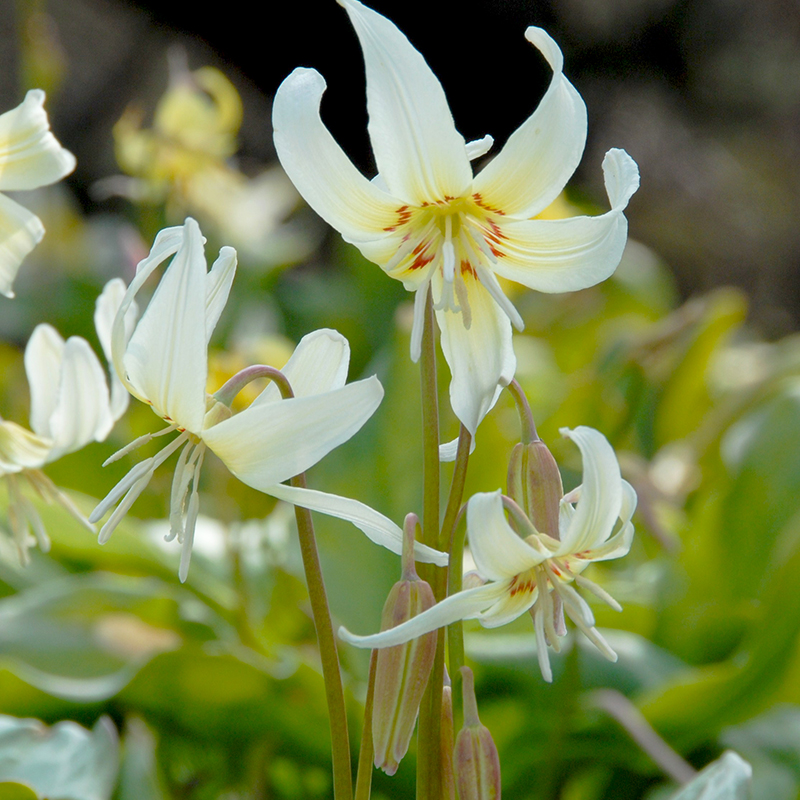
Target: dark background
{"type": "Point", "coordinates": [704, 94]}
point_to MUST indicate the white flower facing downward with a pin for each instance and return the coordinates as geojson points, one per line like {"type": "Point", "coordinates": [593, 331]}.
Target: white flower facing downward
{"type": "Point", "coordinates": [521, 574]}
{"type": "Point", "coordinates": [163, 362]}
{"type": "Point", "coordinates": [70, 407]}
{"type": "Point", "coordinates": [30, 157]}
{"type": "Point", "coordinates": [428, 222]}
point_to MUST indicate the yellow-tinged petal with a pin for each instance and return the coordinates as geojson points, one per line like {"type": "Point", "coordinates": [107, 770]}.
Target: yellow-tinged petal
{"type": "Point", "coordinates": [319, 168]}
{"type": "Point", "coordinates": [419, 153]}
{"type": "Point", "coordinates": [30, 156]}
{"type": "Point", "coordinates": [20, 232]}
{"type": "Point", "coordinates": [540, 156]}
{"type": "Point", "coordinates": [20, 449]}
{"type": "Point", "coordinates": [481, 358]}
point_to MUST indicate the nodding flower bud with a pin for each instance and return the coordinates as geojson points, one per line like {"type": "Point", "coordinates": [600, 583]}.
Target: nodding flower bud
{"type": "Point", "coordinates": [402, 671]}
{"type": "Point", "coordinates": [475, 761]}
{"type": "Point", "coordinates": [534, 483]}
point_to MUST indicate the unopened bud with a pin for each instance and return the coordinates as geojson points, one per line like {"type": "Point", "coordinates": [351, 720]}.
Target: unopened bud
{"type": "Point", "coordinates": [402, 671]}
{"type": "Point", "coordinates": [534, 483]}
{"type": "Point", "coordinates": [475, 761]}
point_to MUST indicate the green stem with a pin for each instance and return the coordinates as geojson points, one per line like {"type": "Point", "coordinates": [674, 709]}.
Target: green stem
{"type": "Point", "coordinates": [367, 753]}
{"type": "Point", "coordinates": [430, 712]}
{"type": "Point", "coordinates": [331, 673]}
{"type": "Point", "coordinates": [455, 632]}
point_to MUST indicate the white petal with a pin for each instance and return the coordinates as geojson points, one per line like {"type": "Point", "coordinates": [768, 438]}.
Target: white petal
{"type": "Point", "coordinates": [376, 526]}
{"type": "Point", "coordinates": [481, 359]}
{"type": "Point", "coordinates": [20, 232]}
{"type": "Point", "coordinates": [218, 287]}
{"type": "Point", "coordinates": [319, 168]}
{"type": "Point", "coordinates": [108, 303]}
{"type": "Point", "coordinates": [462, 605]}
{"type": "Point", "coordinates": [268, 443]}
{"type": "Point", "coordinates": [20, 449]}
{"type": "Point", "coordinates": [600, 502]}
{"type": "Point", "coordinates": [498, 550]}
{"type": "Point", "coordinates": [82, 413]}
{"type": "Point", "coordinates": [509, 605]}
{"type": "Point", "coordinates": [540, 156]}
{"type": "Point", "coordinates": [479, 147]}
{"type": "Point", "coordinates": [30, 156]}
{"type": "Point", "coordinates": [44, 354]}
{"type": "Point", "coordinates": [620, 543]}
{"type": "Point", "coordinates": [166, 356]}
{"type": "Point", "coordinates": [166, 244]}
{"type": "Point", "coordinates": [565, 255]}
{"type": "Point", "coordinates": [418, 151]}
{"type": "Point", "coordinates": [319, 363]}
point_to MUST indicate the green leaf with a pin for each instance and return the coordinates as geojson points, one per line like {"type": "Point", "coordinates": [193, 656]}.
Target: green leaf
{"type": "Point", "coordinates": [64, 762]}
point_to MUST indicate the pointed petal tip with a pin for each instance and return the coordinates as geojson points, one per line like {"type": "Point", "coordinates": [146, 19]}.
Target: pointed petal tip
{"type": "Point", "coordinates": [621, 175]}
{"type": "Point", "coordinates": [547, 46]}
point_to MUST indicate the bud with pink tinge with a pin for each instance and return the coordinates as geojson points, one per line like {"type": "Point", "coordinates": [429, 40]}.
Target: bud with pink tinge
{"type": "Point", "coordinates": [475, 760]}
{"type": "Point", "coordinates": [402, 671]}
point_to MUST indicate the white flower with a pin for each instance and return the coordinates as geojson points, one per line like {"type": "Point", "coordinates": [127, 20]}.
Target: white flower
{"type": "Point", "coordinates": [30, 157]}
{"type": "Point", "coordinates": [430, 224]}
{"type": "Point", "coordinates": [163, 362]}
{"type": "Point", "coordinates": [70, 407]}
{"type": "Point", "coordinates": [522, 573]}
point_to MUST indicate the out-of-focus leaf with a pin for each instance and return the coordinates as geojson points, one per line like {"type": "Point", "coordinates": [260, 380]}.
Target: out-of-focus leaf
{"type": "Point", "coordinates": [727, 778]}
{"type": "Point", "coordinates": [771, 743]}
{"type": "Point", "coordinates": [138, 776]}
{"type": "Point", "coordinates": [65, 762]}
{"type": "Point", "coordinates": [84, 637]}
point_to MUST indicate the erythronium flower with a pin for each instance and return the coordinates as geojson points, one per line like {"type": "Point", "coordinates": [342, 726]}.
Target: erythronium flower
{"type": "Point", "coordinates": [430, 224]}
{"type": "Point", "coordinates": [30, 157]}
{"type": "Point", "coordinates": [70, 407]}
{"type": "Point", "coordinates": [163, 362]}
{"type": "Point", "coordinates": [521, 574]}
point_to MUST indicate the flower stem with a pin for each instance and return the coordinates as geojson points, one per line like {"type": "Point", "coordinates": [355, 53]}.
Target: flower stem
{"type": "Point", "coordinates": [455, 632]}
{"type": "Point", "coordinates": [430, 712]}
{"type": "Point", "coordinates": [331, 673]}
{"type": "Point", "coordinates": [366, 752]}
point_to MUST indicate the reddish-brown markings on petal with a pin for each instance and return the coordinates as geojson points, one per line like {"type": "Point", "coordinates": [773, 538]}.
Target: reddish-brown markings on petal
{"type": "Point", "coordinates": [467, 268]}
{"type": "Point", "coordinates": [478, 198]}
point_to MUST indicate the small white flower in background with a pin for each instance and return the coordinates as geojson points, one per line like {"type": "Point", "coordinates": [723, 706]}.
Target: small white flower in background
{"type": "Point", "coordinates": [30, 157]}
{"type": "Point", "coordinates": [428, 222]}
{"type": "Point", "coordinates": [70, 407]}
{"type": "Point", "coordinates": [163, 362]}
{"type": "Point", "coordinates": [520, 574]}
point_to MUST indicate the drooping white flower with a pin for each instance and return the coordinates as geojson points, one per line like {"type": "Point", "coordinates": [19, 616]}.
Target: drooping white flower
{"type": "Point", "coordinates": [428, 222]}
{"type": "Point", "coordinates": [163, 362]}
{"type": "Point", "coordinates": [521, 574]}
{"type": "Point", "coordinates": [70, 407]}
{"type": "Point", "coordinates": [30, 157]}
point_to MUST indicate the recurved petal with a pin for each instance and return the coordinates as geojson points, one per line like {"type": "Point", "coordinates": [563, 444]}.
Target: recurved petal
{"type": "Point", "coordinates": [498, 550]}
{"type": "Point", "coordinates": [44, 354]}
{"type": "Point", "coordinates": [418, 151]}
{"type": "Point", "coordinates": [166, 358]}
{"type": "Point", "coordinates": [319, 168]}
{"type": "Point", "coordinates": [620, 543]}
{"type": "Point", "coordinates": [376, 526]}
{"type": "Point", "coordinates": [319, 364]}
{"type": "Point", "coordinates": [105, 311]}
{"type": "Point", "coordinates": [20, 449]}
{"type": "Point", "coordinates": [462, 605]}
{"type": "Point", "coordinates": [30, 156]}
{"type": "Point", "coordinates": [82, 412]}
{"type": "Point", "coordinates": [481, 358]}
{"type": "Point", "coordinates": [564, 255]}
{"type": "Point", "coordinates": [20, 232]}
{"type": "Point", "coordinates": [601, 496]}
{"type": "Point", "coordinates": [266, 444]}
{"type": "Point", "coordinates": [540, 156]}
{"type": "Point", "coordinates": [218, 286]}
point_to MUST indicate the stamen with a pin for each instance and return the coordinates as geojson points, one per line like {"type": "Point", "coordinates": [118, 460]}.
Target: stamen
{"type": "Point", "coordinates": [138, 442]}
{"type": "Point", "coordinates": [492, 286]}
{"type": "Point", "coordinates": [191, 516]}
{"type": "Point", "coordinates": [122, 509]}
{"type": "Point", "coordinates": [598, 591]}
{"type": "Point", "coordinates": [180, 486]}
{"type": "Point", "coordinates": [420, 299]}
{"type": "Point", "coordinates": [547, 609]}
{"type": "Point", "coordinates": [448, 251]}
{"type": "Point", "coordinates": [541, 644]}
